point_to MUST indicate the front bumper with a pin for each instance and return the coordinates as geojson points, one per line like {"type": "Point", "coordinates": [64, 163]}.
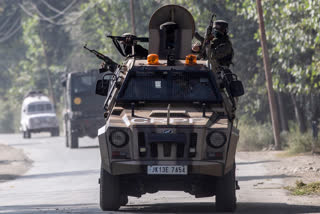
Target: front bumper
{"type": "Point", "coordinates": [212, 168]}
{"type": "Point", "coordinates": [87, 126]}
{"type": "Point", "coordinates": [44, 129]}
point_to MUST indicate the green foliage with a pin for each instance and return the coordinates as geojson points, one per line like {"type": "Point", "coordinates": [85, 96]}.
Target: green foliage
{"type": "Point", "coordinates": [292, 30]}
{"type": "Point", "coordinates": [297, 142]}
{"type": "Point", "coordinates": [304, 189]}
{"type": "Point", "coordinates": [254, 136]}
{"type": "Point", "coordinates": [25, 59]}
{"type": "Point", "coordinates": [6, 119]}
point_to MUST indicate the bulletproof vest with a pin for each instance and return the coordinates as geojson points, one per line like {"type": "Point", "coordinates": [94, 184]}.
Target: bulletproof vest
{"type": "Point", "coordinates": [227, 59]}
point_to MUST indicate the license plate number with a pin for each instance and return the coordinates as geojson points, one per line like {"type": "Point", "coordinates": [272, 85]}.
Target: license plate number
{"type": "Point", "coordinates": [167, 170]}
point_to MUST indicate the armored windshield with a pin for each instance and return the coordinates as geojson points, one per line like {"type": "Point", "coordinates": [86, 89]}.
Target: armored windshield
{"type": "Point", "coordinates": [82, 88]}
{"type": "Point", "coordinates": [170, 86]}
{"type": "Point", "coordinates": [83, 84]}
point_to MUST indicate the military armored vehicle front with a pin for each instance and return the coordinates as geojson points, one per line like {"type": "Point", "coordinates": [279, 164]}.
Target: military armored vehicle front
{"type": "Point", "coordinates": [169, 120]}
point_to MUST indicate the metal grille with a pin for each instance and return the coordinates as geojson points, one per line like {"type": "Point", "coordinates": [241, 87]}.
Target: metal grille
{"type": "Point", "coordinates": [155, 146]}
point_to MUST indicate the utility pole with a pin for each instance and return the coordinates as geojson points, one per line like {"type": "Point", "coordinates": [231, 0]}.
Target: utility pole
{"type": "Point", "coordinates": [133, 24]}
{"type": "Point", "coordinates": [50, 88]}
{"type": "Point", "coordinates": [267, 69]}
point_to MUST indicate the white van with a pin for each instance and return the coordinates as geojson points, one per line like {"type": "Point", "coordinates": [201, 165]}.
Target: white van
{"type": "Point", "coordinates": [38, 115]}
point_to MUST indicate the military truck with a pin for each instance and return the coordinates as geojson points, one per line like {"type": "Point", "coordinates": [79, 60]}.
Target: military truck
{"type": "Point", "coordinates": [38, 115]}
{"type": "Point", "coordinates": [169, 119]}
{"type": "Point", "coordinates": [83, 113]}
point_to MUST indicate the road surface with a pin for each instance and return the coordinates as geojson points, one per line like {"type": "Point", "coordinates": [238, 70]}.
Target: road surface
{"type": "Point", "coordinates": [62, 180]}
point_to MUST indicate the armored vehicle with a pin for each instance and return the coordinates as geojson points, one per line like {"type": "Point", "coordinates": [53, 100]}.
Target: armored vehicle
{"type": "Point", "coordinates": [169, 119]}
{"type": "Point", "coordinates": [83, 112]}
{"type": "Point", "coordinates": [38, 115]}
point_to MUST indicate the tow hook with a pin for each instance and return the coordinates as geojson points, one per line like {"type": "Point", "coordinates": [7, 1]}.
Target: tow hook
{"type": "Point", "coordinates": [237, 185]}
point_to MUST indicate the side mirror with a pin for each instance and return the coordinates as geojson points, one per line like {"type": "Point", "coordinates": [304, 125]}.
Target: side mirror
{"type": "Point", "coordinates": [102, 87]}
{"type": "Point", "coordinates": [236, 88]}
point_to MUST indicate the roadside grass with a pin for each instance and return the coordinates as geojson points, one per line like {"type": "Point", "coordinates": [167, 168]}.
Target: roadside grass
{"type": "Point", "coordinates": [254, 136]}
{"type": "Point", "coordinates": [304, 189]}
{"type": "Point", "coordinates": [285, 154]}
{"type": "Point", "coordinates": [297, 142]}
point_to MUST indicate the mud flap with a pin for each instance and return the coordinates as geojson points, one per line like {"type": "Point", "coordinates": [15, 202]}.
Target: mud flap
{"type": "Point", "coordinates": [104, 149]}
{"type": "Point", "coordinates": [232, 147]}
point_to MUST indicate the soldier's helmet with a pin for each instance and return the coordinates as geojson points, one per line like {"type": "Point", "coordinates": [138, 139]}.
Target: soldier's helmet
{"type": "Point", "coordinates": [128, 34]}
{"type": "Point", "coordinates": [129, 37]}
{"type": "Point", "coordinates": [221, 25]}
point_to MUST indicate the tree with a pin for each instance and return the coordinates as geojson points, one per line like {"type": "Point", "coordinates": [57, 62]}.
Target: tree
{"type": "Point", "coordinates": [293, 31]}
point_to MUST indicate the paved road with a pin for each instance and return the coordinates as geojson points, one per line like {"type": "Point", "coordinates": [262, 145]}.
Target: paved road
{"type": "Point", "coordinates": [66, 181]}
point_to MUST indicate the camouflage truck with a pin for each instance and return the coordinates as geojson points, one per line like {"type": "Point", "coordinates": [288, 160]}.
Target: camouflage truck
{"type": "Point", "coordinates": [169, 120]}
{"type": "Point", "coordinates": [83, 113]}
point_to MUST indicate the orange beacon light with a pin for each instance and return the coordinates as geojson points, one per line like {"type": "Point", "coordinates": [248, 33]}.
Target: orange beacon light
{"type": "Point", "coordinates": [153, 59]}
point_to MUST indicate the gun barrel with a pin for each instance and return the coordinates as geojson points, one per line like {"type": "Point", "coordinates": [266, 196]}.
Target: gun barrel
{"type": "Point", "coordinates": [206, 38]}
{"type": "Point", "coordinates": [213, 16]}
{"type": "Point", "coordinates": [106, 59]}
{"type": "Point", "coordinates": [123, 38]}
{"type": "Point", "coordinates": [85, 47]}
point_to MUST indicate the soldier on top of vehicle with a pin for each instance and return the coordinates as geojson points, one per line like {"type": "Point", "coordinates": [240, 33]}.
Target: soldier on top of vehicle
{"type": "Point", "coordinates": [139, 51]}
{"type": "Point", "coordinates": [220, 48]}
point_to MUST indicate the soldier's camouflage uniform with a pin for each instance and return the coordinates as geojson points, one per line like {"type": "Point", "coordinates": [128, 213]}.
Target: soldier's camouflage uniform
{"type": "Point", "coordinates": [220, 51]}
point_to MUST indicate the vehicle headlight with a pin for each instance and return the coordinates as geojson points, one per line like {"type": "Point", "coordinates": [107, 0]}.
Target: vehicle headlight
{"type": "Point", "coordinates": [118, 138]}
{"type": "Point", "coordinates": [56, 122]}
{"type": "Point", "coordinates": [31, 122]}
{"type": "Point", "coordinates": [76, 114]}
{"type": "Point", "coordinates": [52, 120]}
{"type": "Point", "coordinates": [34, 121]}
{"type": "Point", "coordinates": [216, 139]}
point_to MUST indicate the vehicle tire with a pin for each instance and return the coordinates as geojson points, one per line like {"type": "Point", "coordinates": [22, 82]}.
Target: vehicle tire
{"type": "Point", "coordinates": [28, 134]}
{"type": "Point", "coordinates": [23, 134]}
{"type": "Point", "coordinates": [74, 140]}
{"type": "Point", "coordinates": [66, 130]}
{"type": "Point", "coordinates": [73, 137]}
{"type": "Point", "coordinates": [55, 132]}
{"type": "Point", "coordinates": [226, 192]}
{"type": "Point", "coordinates": [109, 191]}
{"type": "Point", "coordinates": [123, 200]}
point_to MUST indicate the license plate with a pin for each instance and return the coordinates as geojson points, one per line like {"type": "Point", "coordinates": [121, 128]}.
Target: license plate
{"type": "Point", "coordinates": [167, 170]}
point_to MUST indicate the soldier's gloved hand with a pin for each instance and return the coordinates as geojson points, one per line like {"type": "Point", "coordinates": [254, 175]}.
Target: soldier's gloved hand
{"type": "Point", "coordinates": [211, 37]}
{"type": "Point", "coordinates": [196, 47]}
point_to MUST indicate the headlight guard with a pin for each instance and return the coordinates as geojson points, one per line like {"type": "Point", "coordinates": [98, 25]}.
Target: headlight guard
{"type": "Point", "coordinates": [118, 138]}
{"type": "Point", "coordinates": [216, 139]}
